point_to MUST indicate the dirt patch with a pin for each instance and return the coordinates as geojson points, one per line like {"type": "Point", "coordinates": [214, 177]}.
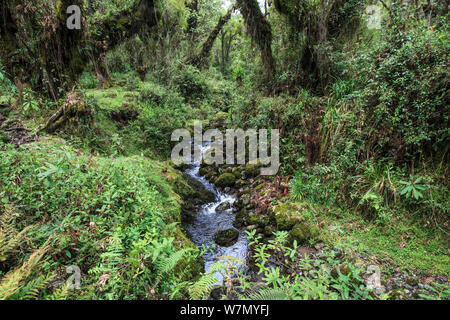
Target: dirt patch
{"type": "Point", "coordinates": [124, 116]}
{"type": "Point", "coordinates": [13, 131]}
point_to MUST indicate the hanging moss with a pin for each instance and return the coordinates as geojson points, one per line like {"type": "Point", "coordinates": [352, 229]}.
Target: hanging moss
{"type": "Point", "coordinates": [260, 31]}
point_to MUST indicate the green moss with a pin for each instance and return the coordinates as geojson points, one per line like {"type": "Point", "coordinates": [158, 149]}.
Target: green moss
{"type": "Point", "coordinates": [227, 237]}
{"type": "Point", "coordinates": [288, 214]}
{"type": "Point", "coordinates": [225, 180]}
{"type": "Point", "coordinates": [228, 170]}
{"type": "Point", "coordinates": [259, 187]}
{"type": "Point", "coordinates": [253, 220]}
{"type": "Point", "coordinates": [302, 232]}
{"type": "Point", "coordinates": [177, 182]}
{"type": "Point", "coordinates": [123, 23]}
{"type": "Point", "coordinates": [237, 172]}
{"type": "Point", "coordinates": [113, 98]}
{"type": "Point", "coordinates": [252, 170]}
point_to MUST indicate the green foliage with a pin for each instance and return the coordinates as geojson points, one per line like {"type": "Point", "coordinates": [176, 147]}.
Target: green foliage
{"type": "Point", "coordinates": [29, 103]}
{"type": "Point", "coordinates": [6, 86]}
{"type": "Point", "coordinates": [412, 188]}
{"type": "Point", "coordinates": [190, 82]}
{"type": "Point", "coordinates": [303, 277]}
{"type": "Point", "coordinates": [404, 92]}
{"type": "Point", "coordinates": [115, 218]}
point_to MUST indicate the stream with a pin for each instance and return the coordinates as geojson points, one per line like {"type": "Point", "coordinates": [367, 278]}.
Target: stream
{"type": "Point", "coordinates": [208, 221]}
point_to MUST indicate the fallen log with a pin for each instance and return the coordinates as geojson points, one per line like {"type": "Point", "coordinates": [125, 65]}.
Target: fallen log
{"type": "Point", "coordinates": [73, 107]}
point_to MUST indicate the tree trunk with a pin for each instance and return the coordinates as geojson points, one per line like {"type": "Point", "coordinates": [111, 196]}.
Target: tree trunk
{"type": "Point", "coordinates": [61, 51]}
{"type": "Point", "coordinates": [202, 59]}
{"type": "Point", "coordinates": [102, 71]}
{"type": "Point", "coordinates": [260, 31]}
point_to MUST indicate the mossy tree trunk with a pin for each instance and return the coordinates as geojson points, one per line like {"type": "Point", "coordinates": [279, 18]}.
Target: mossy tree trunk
{"type": "Point", "coordinates": [102, 71]}
{"type": "Point", "coordinates": [201, 60]}
{"type": "Point", "coordinates": [62, 53]}
{"type": "Point", "coordinates": [317, 21]}
{"type": "Point", "coordinates": [260, 31]}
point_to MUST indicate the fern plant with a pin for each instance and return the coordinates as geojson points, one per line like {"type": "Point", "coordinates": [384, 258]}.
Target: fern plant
{"type": "Point", "coordinates": [20, 283]}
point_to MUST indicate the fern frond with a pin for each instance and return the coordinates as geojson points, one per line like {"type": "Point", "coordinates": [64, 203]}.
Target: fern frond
{"type": "Point", "coordinates": [269, 294]}
{"type": "Point", "coordinates": [14, 281]}
{"type": "Point", "coordinates": [60, 293]}
{"type": "Point", "coordinates": [10, 239]}
{"type": "Point", "coordinates": [169, 263]}
{"type": "Point", "coordinates": [203, 286]}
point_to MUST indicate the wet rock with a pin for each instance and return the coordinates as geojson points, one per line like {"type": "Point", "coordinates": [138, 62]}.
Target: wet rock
{"type": "Point", "coordinates": [252, 170]}
{"type": "Point", "coordinates": [268, 231]}
{"type": "Point", "coordinates": [226, 238]}
{"type": "Point", "coordinates": [225, 180]}
{"type": "Point", "coordinates": [205, 196]}
{"type": "Point", "coordinates": [241, 219]}
{"type": "Point", "coordinates": [223, 206]}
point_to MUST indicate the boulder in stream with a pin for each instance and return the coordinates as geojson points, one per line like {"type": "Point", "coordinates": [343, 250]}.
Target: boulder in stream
{"type": "Point", "coordinates": [223, 206]}
{"type": "Point", "coordinates": [226, 238]}
{"type": "Point", "coordinates": [225, 180]}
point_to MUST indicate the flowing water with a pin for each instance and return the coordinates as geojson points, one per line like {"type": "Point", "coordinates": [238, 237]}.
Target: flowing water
{"type": "Point", "coordinates": [208, 221]}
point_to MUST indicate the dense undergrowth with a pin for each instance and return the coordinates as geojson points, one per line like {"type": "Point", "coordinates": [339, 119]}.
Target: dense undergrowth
{"type": "Point", "coordinates": [117, 219]}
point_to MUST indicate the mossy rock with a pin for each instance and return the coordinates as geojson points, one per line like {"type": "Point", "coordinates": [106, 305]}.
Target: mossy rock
{"type": "Point", "coordinates": [205, 195]}
{"type": "Point", "coordinates": [178, 164]}
{"type": "Point", "coordinates": [237, 173]}
{"type": "Point", "coordinates": [268, 231]}
{"type": "Point", "coordinates": [203, 171]}
{"type": "Point", "coordinates": [227, 170]}
{"type": "Point", "coordinates": [193, 267]}
{"type": "Point", "coordinates": [210, 176]}
{"type": "Point", "coordinates": [225, 180]}
{"type": "Point", "coordinates": [226, 238]}
{"type": "Point", "coordinates": [178, 183]}
{"type": "Point", "coordinates": [344, 269]}
{"type": "Point", "coordinates": [253, 220]}
{"type": "Point", "coordinates": [241, 219]}
{"type": "Point", "coordinates": [301, 232]}
{"type": "Point", "coordinates": [288, 214]}
{"type": "Point", "coordinates": [252, 170]}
